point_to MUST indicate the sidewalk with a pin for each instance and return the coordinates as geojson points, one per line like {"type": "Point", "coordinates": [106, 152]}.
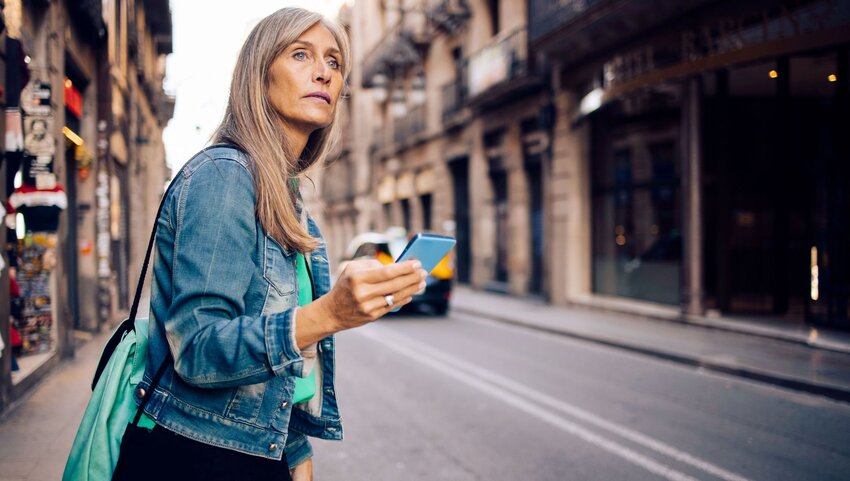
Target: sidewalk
{"type": "Point", "coordinates": [784, 359]}
{"type": "Point", "coordinates": [35, 435]}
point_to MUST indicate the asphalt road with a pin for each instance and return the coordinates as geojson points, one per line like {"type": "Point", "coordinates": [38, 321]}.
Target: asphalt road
{"type": "Point", "coordinates": [460, 398]}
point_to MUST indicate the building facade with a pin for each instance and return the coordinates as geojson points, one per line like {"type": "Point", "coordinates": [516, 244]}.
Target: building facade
{"type": "Point", "coordinates": [449, 121]}
{"type": "Point", "coordinates": [84, 117]}
{"type": "Point", "coordinates": [667, 158]}
{"type": "Point", "coordinates": [699, 143]}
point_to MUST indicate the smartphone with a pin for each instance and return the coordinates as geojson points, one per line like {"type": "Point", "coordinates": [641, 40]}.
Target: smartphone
{"type": "Point", "coordinates": [429, 249]}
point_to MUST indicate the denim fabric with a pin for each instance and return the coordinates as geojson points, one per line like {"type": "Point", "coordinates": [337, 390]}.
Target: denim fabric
{"type": "Point", "coordinates": [224, 297]}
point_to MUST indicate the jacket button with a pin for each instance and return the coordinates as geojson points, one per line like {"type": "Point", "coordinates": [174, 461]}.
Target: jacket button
{"type": "Point", "coordinates": [284, 404]}
{"type": "Point", "coordinates": [141, 392]}
{"type": "Point", "coordinates": [273, 447]}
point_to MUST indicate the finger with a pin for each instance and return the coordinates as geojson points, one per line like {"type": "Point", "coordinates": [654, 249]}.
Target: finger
{"type": "Point", "coordinates": [411, 290]}
{"type": "Point", "coordinates": [384, 309]}
{"type": "Point", "coordinates": [400, 297]}
{"type": "Point", "coordinates": [388, 272]}
{"type": "Point", "coordinates": [378, 306]}
{"type": "Point", "coordinates": [395, 285]}
{"type": "Point", "coordinates": [363, 265]}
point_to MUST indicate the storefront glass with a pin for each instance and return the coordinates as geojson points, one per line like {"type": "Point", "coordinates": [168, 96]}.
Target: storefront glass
{"type": "Point", "coordinates": [637, 240]}
{"type": "Point", "coordinates": [776, 187]}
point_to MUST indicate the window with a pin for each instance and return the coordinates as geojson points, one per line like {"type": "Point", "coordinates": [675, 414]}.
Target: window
{"type": "Point", "coordinates": [494, 16]}
{"type": "Point", "coordinates": [405, 211]}
{"type": "Point", "coordinates": [425, 200]}
{"type": "Point", "coordinates": [637, 239]}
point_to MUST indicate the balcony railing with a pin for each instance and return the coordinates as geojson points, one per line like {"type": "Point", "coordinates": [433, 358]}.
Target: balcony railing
{"type": "Point", "coordinates": [378, 140]}
{"type": "Point", "coordinates": [449, 16]}
{"type": "Point", "coordinates": [546, 16]}
{"type": "Point", "coordinates": [338, 181]}
{"type": "Point", "coordinates": [397, 50]}
{"type": "Point", "coordinates": [408, 127]}
{"type": "Point", "coordinates": [454, 98]}
{"type": "Point", "coordinates": [501, 62]}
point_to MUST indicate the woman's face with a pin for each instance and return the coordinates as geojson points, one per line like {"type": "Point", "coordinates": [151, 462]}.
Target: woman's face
{"type": "Point", "coordinates": [306, 79]}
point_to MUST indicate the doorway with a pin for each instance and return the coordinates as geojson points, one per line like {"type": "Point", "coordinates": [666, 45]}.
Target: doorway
{"type": "Point", "coordinates": [776, 192]}
{"type": "Point", "coordinates": [460, 184]}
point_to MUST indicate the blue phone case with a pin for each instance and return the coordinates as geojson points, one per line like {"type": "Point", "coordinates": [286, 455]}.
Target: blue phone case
{"type": "Point", "coordinates": [429, 249]}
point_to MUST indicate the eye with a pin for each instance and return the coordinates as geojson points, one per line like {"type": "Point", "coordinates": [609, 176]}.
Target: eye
{"type": "Point", "coordinates": [300, 55]}
{"type": "Point", "coordinates": [333, 63]}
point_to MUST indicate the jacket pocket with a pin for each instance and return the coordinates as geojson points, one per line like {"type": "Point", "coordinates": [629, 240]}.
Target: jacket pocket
{"type": "Point", "coordinates": [246, 403]}
{"type": "Point", "coordinates": [278, 268]}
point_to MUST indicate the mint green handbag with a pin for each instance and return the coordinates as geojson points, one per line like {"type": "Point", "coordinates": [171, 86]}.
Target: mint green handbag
{"type": "Point", "coordinates": [111, 407]}
{"type": "Point", "coordinates": [94, 452]}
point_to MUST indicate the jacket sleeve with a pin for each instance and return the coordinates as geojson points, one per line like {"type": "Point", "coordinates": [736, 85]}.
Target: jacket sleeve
{"type": "Point", "coordinates": [213, 343]}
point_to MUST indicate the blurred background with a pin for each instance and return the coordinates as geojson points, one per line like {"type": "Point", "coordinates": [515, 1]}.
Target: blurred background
{"type": "Point", "coordinates": [651, 201]}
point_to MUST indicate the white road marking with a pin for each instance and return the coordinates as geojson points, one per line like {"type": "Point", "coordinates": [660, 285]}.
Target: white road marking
{"type": "Point", "coordinates": [520, 396]}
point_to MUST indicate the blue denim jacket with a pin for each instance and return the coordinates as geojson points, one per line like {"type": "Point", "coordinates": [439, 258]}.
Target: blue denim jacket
{"type": "Point", "coordinates": [223, 299]}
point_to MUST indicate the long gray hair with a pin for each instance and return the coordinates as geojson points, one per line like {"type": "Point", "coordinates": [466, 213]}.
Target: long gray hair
{"type": "Point", "coordinates": [251, 122]}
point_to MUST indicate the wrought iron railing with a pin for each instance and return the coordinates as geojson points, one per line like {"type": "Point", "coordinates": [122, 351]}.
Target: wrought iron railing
{"type": "Point", "coordinates": [544, 16]}
{"type": "Point", "coordinates": [412, 124]}
{"type": "Point", "coordinates": [454, 96]}
{"type": "Point", "coordinates": [378, 140]}
{"type": "Point", "coordinates": [505, 59]}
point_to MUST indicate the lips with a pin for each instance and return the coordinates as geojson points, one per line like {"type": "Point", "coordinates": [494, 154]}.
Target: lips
{"type": "Point", "coordinates": [321, 95]}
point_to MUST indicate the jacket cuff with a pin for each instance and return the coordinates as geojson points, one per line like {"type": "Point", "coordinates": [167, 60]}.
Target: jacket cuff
{"type": "Point", "coordinates": [284, 355]}
{"type": "Point", "coordinates": [297, 450]}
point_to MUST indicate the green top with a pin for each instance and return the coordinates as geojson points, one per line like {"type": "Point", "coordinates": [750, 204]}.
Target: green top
{"type": "Point", "coordinates": [305, 388]}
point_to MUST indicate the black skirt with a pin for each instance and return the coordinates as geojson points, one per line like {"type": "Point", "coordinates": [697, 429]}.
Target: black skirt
{"type": "Point", "coordinates": [162, 455]}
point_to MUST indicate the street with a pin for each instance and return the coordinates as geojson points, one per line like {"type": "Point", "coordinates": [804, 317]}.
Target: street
{"type": "Point", "coordinates": [461, 398]}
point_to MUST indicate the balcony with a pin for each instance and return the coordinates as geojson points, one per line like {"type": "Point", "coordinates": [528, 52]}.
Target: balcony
{"type": "Point", "coordinates": [572, 30]}
{"type": "Point", "coordinates": [379, 141]}
{"type": "Point", "coordinates": [399, 49]}
{"type": "Point", "coordinates": [164, 106]}
{"type": "Point", "coordinates": [499, 69]}
{"type": "Point", "coordinates": [338, 182]}
{"type": "Point", "coordinates": [158, 16]}
{"type": "Point", "coordinates": [546, 16]}
{"type": "Point", "coordinates": [89, 14]}
{"type": "Point", "coordinates": [407, 130]}
{"type": "Point", "coordinates": [454, 101]}
{"type": "Point", "coordinates": [449, 16]}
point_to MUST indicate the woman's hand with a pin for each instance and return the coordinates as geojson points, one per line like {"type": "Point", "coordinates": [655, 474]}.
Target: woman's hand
{"type": "Point", "coordinates": [358, 298]}
{"type": "Point", "coordinates": [359, 295]}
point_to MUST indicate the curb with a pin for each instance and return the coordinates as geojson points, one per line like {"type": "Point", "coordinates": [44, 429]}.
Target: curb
{"type": "Point", "coordinates": [766, 334]}
{"type": "Point", "coordinates": [830, 391]}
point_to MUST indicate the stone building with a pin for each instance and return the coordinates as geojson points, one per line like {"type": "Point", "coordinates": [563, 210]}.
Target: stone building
{"type": "Point", "coordinates": [673, 159]}
{"type": "Point", "coordinates": [452, 120]}
{"type": "Point", "coordinates": [84, 117]}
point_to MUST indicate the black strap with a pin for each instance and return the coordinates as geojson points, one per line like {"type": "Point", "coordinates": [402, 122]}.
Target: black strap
{"type": "Point", "coordinates": [124, 328]}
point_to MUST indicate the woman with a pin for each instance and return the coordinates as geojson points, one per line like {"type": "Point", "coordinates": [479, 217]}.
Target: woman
{"type": "Point", "coordinates": [241, 295]}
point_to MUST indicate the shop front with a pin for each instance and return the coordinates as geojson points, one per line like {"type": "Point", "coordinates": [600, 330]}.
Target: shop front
{"type": "Point", "coordinates": [718, 157]}
{"type": "Point", "coordinates": [36, 199]}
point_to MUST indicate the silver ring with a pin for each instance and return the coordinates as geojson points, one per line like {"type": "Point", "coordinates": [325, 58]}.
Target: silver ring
{"type": "Point", "coordinates": [390, 300]}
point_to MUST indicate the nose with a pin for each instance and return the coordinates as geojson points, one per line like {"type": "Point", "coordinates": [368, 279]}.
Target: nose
{"type": "Point", "coordinates": [322, 72]}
